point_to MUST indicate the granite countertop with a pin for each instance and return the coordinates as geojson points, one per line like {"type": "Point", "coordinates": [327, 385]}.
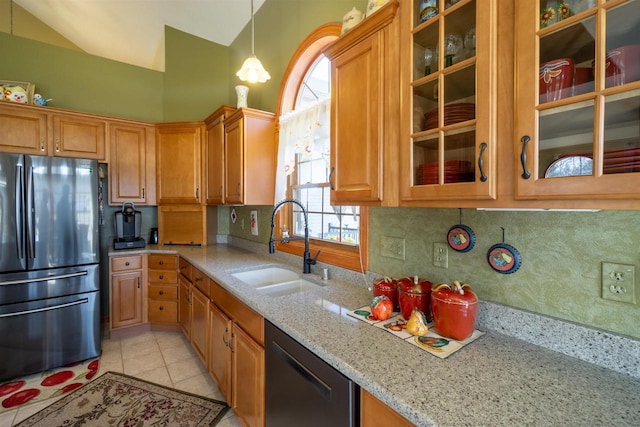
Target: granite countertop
{"type": "Point", "coordinates": [496, 380]}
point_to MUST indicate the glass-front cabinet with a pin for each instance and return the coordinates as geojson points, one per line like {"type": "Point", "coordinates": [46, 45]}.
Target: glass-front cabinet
{"type": "Point", "coordinates": [578, 99]}
{"type": "Point", "coordinates": [448, 149]}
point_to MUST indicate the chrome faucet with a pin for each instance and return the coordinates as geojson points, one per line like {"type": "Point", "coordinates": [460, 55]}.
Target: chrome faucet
{"type": "Point", "coordinates": [307, 261]}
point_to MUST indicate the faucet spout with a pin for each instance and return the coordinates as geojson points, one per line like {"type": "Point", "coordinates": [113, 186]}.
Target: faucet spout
{"type": "Point", "coordinates": [307, 261]}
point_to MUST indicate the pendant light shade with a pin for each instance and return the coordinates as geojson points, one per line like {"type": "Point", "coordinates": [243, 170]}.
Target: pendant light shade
{"type": "Point", "coordinates": [252, 70]}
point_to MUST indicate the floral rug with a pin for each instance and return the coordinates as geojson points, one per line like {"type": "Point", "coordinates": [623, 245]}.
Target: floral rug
{"type": "Point", "coordinates": [115, 399]}
{"type": "Point", "coordinates": [48, 384]}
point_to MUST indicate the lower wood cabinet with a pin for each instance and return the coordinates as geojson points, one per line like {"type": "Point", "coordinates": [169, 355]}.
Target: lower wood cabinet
{"type": "Point", "coordinates": [236, 355]}
{"type": "Point", "coordinates": [199, 323]}
{"type": "Point", "coordinates": [126, 291]}
{"type": "Point", "coordinates": [163, 288]}
{"type": "Point", "coordinates": [374, 413]}
{"type": "Point", "coordinates": [184, 306]}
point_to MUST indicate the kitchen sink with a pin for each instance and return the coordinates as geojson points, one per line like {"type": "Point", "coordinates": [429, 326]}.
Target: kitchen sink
{"type": "Point", "coordinates": [275, 281]}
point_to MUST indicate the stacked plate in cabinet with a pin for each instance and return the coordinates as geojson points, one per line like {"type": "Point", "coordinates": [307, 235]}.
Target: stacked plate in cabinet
{"type": "Point", "coordinates": [454, 171]}
{"type": "Point", "coordinates": [625, 160]}
{"type": "Point", "coordinates": [453, 113]}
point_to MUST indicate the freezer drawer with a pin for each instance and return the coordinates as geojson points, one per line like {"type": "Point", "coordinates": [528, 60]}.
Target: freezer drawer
{"type": "Point", "coordinates": [44, 334]}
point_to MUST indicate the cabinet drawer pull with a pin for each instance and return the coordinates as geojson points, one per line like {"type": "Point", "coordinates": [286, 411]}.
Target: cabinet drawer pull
{"type": "Point", "coordinates": [126, 263]}
{"type": "Point", "coordinates": [161, 308]}
{"type": "Point", "coordinates": [138, 283]}
{"type": "Point", "coordinates": [483, 176]}
{"type": "Point", "coordinates": [161, 293]}
{"type": "Point", "coordinates": [523, 157]}
{"type": "Point", "coordinates": [143, 192]}
{"type": "Point", "coordinates": [197, 193]}
{"type": "Point", "coordinates": [161, 277]}
{"type": "Point", "coordinates": [161, 263]}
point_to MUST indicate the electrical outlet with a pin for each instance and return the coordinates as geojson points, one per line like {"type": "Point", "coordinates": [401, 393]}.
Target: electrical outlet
{"type": "Point", "coordinates": [392, 247]}
{"type": "Point", "coordinates": [441, 255]}
{"type": "Point", "coordinates": [618, 282]}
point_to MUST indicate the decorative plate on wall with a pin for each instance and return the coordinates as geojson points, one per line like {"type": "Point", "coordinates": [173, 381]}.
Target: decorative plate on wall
{"type": "Point", "coordinates": [504, 258]}
{"type": "Point", "coordinates": [461, 238]}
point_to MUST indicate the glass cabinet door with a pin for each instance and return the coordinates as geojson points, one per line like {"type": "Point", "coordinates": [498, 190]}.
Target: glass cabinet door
{"type": "Point", "coordinates": [448, 84]}
{"type": "Point", "coordinates": [578, 99]}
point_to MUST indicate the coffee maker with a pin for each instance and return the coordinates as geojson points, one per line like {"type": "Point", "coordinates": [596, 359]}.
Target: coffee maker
{"type": "Point", "coordinates": [128, 223]}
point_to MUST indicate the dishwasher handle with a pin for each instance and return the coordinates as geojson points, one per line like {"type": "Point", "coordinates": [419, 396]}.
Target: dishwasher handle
{"type": "Point", "coordinates": [322, 387]}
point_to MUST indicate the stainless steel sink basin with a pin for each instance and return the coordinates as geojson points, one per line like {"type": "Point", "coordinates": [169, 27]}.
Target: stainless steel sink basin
{"type": "Point", "coordinates": [275, 281]}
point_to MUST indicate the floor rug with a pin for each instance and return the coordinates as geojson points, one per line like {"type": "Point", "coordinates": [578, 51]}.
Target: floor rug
{"type": "Point", "coordinates": [48, 384]}
{"type": "Point", "coordinates": [115, 399]}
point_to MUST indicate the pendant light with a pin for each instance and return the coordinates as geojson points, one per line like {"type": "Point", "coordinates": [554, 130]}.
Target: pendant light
{"type": "Point", "coordinates": [252, 70]}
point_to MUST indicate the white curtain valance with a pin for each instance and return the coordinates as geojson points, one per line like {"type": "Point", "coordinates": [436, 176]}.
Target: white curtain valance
{"type": "Point", "coordinates": [305, 131]}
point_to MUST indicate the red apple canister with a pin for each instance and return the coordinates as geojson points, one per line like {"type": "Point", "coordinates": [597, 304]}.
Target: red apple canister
{"type": "Point", "coordinates": [388, 287]}
{"type": "Point", "coordinates": [455, 308]}
{"type": "Point", "coordinates": [414, 292]}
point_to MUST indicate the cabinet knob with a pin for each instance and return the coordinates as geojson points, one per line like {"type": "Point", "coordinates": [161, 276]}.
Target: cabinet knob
{"type": "Point", "coordinates": [161, 293]}
{"type": "Point", "coordinates": [198, 279]}
{"type": "Point", "coordinates": [161, 277]}
{"type": "Point", "coordinates": [161, 308]}
{"type": "Point", "coordinates": [161, 263]}
{"type": "Point", "coordinates": [126, 263]}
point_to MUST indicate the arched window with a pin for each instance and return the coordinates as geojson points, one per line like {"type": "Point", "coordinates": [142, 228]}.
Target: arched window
{"type": "Point", "coordinates": [339, 232]}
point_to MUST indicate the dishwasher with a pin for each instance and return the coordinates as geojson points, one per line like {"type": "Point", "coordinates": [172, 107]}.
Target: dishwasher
{"type": "Point", "coordinates": [302, 389]}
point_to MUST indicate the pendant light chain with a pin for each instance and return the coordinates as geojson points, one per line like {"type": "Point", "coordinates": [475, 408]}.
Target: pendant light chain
{"type": "Point", "coordinates": [253, 32]}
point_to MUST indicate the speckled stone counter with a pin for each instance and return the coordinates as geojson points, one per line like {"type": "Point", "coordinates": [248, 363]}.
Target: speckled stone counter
{"type": "Point", "coordinates": [496, 380]}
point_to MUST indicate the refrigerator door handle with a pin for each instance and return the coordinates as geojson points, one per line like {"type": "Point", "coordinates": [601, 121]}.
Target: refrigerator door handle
{"type": "Point", "coordinates": [19, 212]}
{"type": "Point", "coordinates": [44, 279]}
{"type": "Point", "coordinates": [31, 226]}
{"type": "Point", "coordinates": [53, 307]}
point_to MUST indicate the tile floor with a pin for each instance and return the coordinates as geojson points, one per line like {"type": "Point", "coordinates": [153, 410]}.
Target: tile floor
{"type": "Point", "coordinates": [161, 357]}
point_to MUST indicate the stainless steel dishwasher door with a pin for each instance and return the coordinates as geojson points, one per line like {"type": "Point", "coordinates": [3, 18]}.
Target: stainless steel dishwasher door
{"type": "Point", "coordinates": [302, 389]}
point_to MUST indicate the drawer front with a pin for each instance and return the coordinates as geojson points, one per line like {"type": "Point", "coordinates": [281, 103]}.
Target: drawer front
{"type": "Point", "coordinates": [250, 321]}
{"type": "Point", "coordinates": [201, 281]}
{"type": "Point", "coordinates": [163, 262]}
{"type": "Point", "coordinates": [163, 311]}
{"type": "Point", "coordinates": [163, 276]}
{"type": "Point", "coordinates": [126, 263]}
{"type": "Point", "coordinates": [163, 292]}
{"type": "Point", "coordinates": [185, 269]}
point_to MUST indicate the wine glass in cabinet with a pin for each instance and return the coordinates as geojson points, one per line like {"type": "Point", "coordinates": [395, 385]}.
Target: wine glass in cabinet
{"type": "Point", "coordinates": [448, 148]}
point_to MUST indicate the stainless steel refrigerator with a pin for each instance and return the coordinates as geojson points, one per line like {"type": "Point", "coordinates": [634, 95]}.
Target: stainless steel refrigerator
{"type": "Point", "coordinates": [49, 263]}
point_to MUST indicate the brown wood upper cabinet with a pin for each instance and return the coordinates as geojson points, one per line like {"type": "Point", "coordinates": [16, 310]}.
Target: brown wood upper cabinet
{"type": "Point", "coordinates": [365, 111]}
{"type": "Point", "coordinates": [132, 168]}
{"type": "Point", "coordinates": [78, 136]}
{"type": "Point", "coordinates": [178, 162]}
{"type": "Point", "coordinates": [250, 157]}
{"type": "Point", "coordinates": [214, 154]}
{"type": "Point", "coordinates": [23, 130]}
{"type": "Point", "coordinates": [449, 143]}
{"type": "Point", "coordinates": [577, 105]}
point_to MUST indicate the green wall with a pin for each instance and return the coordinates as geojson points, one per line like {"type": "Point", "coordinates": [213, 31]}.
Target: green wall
{"type": "Point", "coordinates": [196, 77]}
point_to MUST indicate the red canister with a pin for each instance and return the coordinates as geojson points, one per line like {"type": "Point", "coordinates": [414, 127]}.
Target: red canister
{"type": "Point", "coordinates": [388, 287]}
{"type": "Point", "coordinates": [455, 308]}
{"type": "Point", "coordinates": [414, 292]}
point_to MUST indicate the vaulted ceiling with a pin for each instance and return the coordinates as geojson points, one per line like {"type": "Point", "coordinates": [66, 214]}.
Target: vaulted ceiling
{"type": "Point", "coordinates": [132, 31]}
